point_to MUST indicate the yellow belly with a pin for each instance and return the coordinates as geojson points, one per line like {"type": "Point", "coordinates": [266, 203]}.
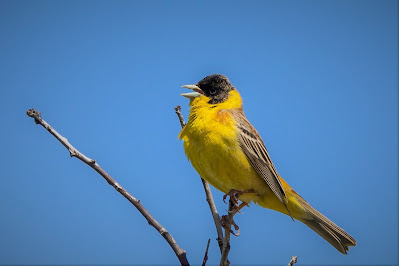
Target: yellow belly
{"type": "Point", "coordinates": [218, 158]}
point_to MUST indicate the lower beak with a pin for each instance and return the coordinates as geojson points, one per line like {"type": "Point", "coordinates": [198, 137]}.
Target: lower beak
{"type": "Point", "coordinates": [196, 91]}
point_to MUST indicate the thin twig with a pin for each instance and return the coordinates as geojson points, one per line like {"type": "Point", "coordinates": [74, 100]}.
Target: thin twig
{"type": "Point", "coordinates": [206, 253]}
{"type": "Point", "coordinates": [208, 193]}
{"type": "Point", "coordinates": [215, 214]}
{"type": "Point", "coordinates": [180, 115]}
{"type": "Point", "coordinates": [293, 260]}
{"type": "Point", "coordinates": [226, 241]}
{"type": "Point", "coordinates": [180, 253]}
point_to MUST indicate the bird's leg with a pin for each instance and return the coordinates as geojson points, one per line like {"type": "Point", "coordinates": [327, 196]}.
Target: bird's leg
{"type": "Point", "coordinates": [242, 205]}
{"type": "Point", "coordinates": [234, 194]}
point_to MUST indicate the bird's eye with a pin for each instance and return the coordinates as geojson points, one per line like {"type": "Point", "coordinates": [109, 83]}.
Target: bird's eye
{"type": "Point", "coordinates": [212, 91]}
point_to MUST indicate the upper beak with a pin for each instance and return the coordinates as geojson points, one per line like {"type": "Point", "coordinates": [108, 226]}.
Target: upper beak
{"type": "Point", "coordinates": [196, 91]}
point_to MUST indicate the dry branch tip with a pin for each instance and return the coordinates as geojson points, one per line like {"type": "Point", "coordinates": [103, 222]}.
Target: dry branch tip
{"type": "Point", "coordinates": [206, 253]}
{"type": "Point", "coordinates": [35, 114]}
{"type": "Point", "coordinates": [178, 108]}
{"type": "Point", "coordinates": [293, 260]}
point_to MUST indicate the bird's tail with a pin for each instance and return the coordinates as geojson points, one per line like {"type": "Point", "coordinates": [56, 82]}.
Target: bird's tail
{"type": "Point", "coordinates": [335, 235]}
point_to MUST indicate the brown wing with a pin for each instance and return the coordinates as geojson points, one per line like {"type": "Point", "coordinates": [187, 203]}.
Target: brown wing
{"type": "Point", "coordinates": [253, 147]}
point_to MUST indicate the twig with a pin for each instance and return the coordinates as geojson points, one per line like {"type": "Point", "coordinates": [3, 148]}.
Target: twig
{"type": "Point", "coordinates": [209, 197]}
{"type": "Point", "coordinates": [180, 253]}
{"type": "Point", "coordinates": [206, 253]}
{"type": "Point", "coordinates": [180, 115]}
{"type": "Point", "coordinates": [215, 214]}
{"type": "Point", "coordinates": [293, 260]}
{"type": "Point", "coordinates": [226, 241]}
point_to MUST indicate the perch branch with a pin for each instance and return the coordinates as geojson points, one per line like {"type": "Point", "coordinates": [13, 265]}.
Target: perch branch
{"type": "Point", "coordinates": [226, 241]}
{"type": "Point", "coordinates": [180, 253]}
{"type": "Point", "coordinates": [215, 214]}
{"type": "Point", "coordinates": [208, 193]}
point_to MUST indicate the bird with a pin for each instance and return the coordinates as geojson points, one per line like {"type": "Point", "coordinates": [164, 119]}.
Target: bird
{"type": "Point", "coordinates": [228, 152]}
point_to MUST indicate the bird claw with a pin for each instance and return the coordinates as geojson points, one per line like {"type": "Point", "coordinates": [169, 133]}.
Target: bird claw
{"type": "Point", "coordinates": [233, 194]}
{"type": "Point", "coordinates": [225, 221]}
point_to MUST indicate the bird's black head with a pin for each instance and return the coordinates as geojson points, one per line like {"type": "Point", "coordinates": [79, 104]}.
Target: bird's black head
{"type": "Point", "coordinates": [216, 87]}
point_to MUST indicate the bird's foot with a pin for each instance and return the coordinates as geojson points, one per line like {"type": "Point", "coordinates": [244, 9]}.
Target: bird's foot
{"type": "Point", "coordinates": [225, 222]}
{"type": "Point", "coordinates": [234, 194]}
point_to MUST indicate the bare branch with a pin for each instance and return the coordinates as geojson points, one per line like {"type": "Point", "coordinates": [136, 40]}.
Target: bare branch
{"type": "Point", "coordinates": [180, 115]}
{"type": "Point", "coordinates": [180, 253]}
{"type": "Point", "coordinates": [293, 260]}
{"type": "Point", "coordinates": [209, 197]}
{"type": "Point", "coordinates": [206, 253]}
{"type": "Point", "coordinates": [215, 214]}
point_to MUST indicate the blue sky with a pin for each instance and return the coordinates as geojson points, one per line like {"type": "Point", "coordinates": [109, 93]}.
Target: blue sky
{"type": "Point", "coordinates": [319, 80]}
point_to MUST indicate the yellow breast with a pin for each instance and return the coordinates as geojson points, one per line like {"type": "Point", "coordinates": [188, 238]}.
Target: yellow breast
{"type": "Point", "coordinates": [211, 144]}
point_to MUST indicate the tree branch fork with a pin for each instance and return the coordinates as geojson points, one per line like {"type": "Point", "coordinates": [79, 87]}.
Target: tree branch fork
{"type": "Point", "coordinates": [223, 241]}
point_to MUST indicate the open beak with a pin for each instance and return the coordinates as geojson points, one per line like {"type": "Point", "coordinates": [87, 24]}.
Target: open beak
{"type": "Point", "coordinates": [196, 91]}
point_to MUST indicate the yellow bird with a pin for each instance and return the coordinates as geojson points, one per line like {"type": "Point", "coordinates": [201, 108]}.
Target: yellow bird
{"type": "Point", "coordinates": [227, 151]}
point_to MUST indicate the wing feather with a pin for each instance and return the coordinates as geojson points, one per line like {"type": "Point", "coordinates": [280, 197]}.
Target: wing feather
{"type": "Point", "coordinates": [253, 147]}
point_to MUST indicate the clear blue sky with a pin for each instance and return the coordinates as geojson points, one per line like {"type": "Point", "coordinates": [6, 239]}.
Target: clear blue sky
{"type": "Point", "coordinates": [319, 81]}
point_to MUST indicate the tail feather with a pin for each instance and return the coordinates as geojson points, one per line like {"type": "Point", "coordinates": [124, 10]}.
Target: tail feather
{"type": "Point", "coordinates": [335, 235]}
